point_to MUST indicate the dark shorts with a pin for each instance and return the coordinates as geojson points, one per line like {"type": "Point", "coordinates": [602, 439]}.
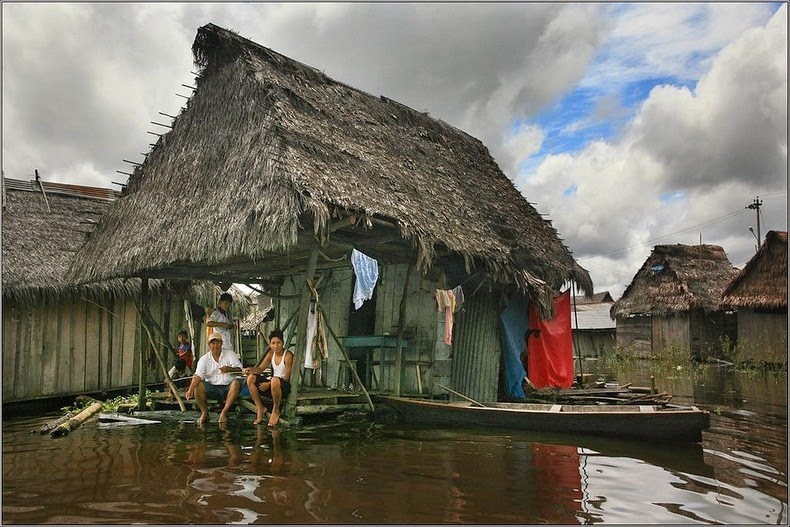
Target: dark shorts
{"type": "Point", "coordinates": [286, 386]}
{"type": "Point", "coordinates": [217, 390]}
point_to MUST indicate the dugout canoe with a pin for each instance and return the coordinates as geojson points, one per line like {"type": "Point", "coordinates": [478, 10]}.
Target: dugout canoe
{"type": "Point", "coordinates": [647, 422]}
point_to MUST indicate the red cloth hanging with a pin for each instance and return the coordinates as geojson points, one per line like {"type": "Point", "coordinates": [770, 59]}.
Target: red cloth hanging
{"type": "Point", "coordinates": [551, 350]}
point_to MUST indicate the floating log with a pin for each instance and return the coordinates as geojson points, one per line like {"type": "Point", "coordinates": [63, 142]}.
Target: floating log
{"type": "Point", "coordinates": [49, 427]}
{"type": "Point", "coordinates": [77, 420]}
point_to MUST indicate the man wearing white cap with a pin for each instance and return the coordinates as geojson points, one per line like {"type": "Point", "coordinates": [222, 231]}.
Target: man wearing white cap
{"type": "Point", "coordinates": [216, 374]}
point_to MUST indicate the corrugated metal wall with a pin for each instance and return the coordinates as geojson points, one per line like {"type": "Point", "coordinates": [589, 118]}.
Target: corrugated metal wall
{"type": "Point", "coordinates": [476, 349]}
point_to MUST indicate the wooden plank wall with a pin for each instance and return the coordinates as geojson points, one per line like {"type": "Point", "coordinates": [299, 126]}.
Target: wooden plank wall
{"type": "Point", "coordinates": [763, 336]}
{"type": "Point", "coordinates": [634, 333]}
{"type": "Point", "coordinates": [67, 348]}
{"type": "Point", "coordinates": [674, 331]}
{"type": "Point", "coordinates": [423, 328]}
{"type": "Point", "coordinates": [334, 295]}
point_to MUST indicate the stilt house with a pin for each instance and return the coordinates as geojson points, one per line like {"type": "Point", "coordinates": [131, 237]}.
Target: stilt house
{"type": "Point", "coordinates": [60, 338]}
{"type": "Point", "coordinates": [285, 171]}
{"type": "Point", "coordinates": [673, 302]}
{"type": "Point", "coordinates": [759, 295]}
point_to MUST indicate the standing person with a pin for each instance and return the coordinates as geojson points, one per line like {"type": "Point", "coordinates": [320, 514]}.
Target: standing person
{"type": "Point", "coordinates": [215, 375]}
{"type": "Point", "coordinates": [221, 321]}
{"type": "Point", "coordinates": [279, 385]}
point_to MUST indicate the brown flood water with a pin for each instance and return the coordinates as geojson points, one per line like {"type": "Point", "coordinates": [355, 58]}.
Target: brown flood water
{"type": "Point", "coordinates": [361, 472]}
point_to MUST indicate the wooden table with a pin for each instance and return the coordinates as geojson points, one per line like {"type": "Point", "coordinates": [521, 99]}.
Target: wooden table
{"type": "Point", "coordinates": [369, 344]}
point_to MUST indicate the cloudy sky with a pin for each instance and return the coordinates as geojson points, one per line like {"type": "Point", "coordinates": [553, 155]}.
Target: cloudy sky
{"type": "Point", "coordinates": [628, 125]}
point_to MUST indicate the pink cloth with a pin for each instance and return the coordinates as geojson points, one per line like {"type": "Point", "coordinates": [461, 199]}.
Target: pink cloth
{"type": "Point", "coordinates": [445, 300]}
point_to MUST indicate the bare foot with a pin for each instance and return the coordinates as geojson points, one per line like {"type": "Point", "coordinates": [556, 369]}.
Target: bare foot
{"type": "Point", "coordinates": [203, 419]}
{"type": "Point", "coordinates": [223, 418]}
{"type": "Point", "coordinates": [258, 419]}
{"type": "Point", "coordinates": [274, 418]}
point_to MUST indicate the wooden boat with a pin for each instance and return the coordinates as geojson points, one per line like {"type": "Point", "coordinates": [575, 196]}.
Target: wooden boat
{"type": "Point", "coordinates": [651, 422]}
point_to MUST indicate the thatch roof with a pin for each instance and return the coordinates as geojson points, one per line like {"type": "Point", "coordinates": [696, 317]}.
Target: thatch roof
{"type": "Point", "coordinates": [762, 283]}
{"type": "Point", "coordinates": [42, 231]}
{"type": "Point", "coordinates": [269, 151]}
{"type": "Point", "coordinates": [675, 279]}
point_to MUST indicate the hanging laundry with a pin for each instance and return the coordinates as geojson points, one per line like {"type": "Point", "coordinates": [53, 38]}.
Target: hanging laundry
{"type": "Point", "coordinates": [459, 298]}
{"type": "Point", "coordinates": [312, 326]}
{"type": "Point", "coordinates": [445, 300]}
{"type": "Point", "coordinates": [366, 270]}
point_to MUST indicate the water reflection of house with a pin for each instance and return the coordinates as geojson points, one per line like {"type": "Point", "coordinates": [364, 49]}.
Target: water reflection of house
{"type": "Point", "coordinates": [759, 295]}
{"type": "Point", "coordinates": [593, 326]}
{"type": "Point", "coordinates": [672, 302]}
{"type": "Point", "coordinates": [301, 169]}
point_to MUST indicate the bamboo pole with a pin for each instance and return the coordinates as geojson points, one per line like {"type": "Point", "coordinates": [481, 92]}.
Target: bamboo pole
{"type": "Point", "coordinates": [459, 394]}
{"type": "Point", "coordinates": [161, 362]}
{"type": "Point", "coordinates": [401, 323]}
{"type": "Point", "coordinates": [142, 372]}
{"type": "Point", "coordinates": [345, 356]}
{"type": "Point", "coordinates": [301, 330]}
{"type": "Point", "coordinates": [74, 423]}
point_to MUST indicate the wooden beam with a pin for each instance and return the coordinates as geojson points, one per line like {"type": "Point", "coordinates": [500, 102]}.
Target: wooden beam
{"type": "Point", "coordinates": [141, 349]}
{"type": "Point", "coordinates": [301, 331]}
{"type": "Point", "coordinates": [401, 323]}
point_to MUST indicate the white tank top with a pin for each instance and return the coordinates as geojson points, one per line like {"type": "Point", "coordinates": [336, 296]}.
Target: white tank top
{"type": "Point", "coordinates": [278, 370]}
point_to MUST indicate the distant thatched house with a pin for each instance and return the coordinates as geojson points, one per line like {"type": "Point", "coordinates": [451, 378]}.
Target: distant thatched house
{"type": "Point", "coordinates": [592, 326]}
{"type": "Point", "coordinates": [672, 301]}
{"type": "Point", "coordinates": [60, 338]}
{"type": "Point", "coordinates": [285, 171]}
{"type": "Point", "coordinates": [759, 294]}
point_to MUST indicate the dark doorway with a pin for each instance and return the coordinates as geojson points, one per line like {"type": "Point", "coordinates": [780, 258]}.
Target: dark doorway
{"type": "Point", "coordinates": [361, 321]}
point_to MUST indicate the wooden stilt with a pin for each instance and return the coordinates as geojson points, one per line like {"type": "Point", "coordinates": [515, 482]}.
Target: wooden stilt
{"type": "Point", "coordinates": [401, 323]}
{"type": "Point", "coordinates": [301, 330]}
{"type": "Point", "coordinates": [143, 367]}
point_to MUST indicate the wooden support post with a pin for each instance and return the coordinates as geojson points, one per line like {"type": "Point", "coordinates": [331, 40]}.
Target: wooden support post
{"type": "Point", "coordinates": [301, 330]}
{"type": "Point", "coordinates": [354, 373]}
{"type": "Point", "coordinates": [401, 323]}
{"type": "Point", "coordinates": [143, 368]}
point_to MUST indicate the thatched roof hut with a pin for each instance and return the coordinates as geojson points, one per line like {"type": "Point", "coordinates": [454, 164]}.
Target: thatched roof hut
{"type": "Point", "coordinates": [44, 224]}
{"type": "Point", "coordinates": [762, 283]}
{"type": "Point", "coordinates": [677, 278]}
{"type": "Point", "coordinates": [269, 152]}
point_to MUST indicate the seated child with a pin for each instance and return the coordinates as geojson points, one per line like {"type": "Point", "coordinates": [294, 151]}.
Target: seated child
{"type": "Point", "coordinates": [185, 357]}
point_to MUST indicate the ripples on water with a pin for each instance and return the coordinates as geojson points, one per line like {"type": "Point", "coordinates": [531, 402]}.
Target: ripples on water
{"type": "Point", "coordinates": [177, 473]}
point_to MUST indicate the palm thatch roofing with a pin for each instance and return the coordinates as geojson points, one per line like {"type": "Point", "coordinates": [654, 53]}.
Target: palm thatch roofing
{"type": "Point", "coordinates": [42, 230]}
{"type": "Point", "coordinates": [44, 224]}
{"type": "Point", "coordinates": [762, 283]}
{"type": "Point", "coordinates": [269, 153]}
{"type": "Point", "coordinates": [676, 279]}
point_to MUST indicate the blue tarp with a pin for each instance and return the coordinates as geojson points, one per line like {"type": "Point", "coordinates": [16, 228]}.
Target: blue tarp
{"type": "Point", "coordinates": [515, 322]}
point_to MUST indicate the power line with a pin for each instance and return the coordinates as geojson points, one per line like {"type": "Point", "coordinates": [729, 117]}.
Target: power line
{"type": "Point", "coordinates": [664, 236]}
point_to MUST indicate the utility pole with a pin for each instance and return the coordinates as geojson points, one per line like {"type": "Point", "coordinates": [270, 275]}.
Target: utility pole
{"type": "Point", "coordinates": [755, 205]}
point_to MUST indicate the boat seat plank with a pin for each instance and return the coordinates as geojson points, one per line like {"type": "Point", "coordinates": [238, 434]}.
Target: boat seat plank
{"type": "Point", "coordinates": [556, 408]}
{"type": "Point", "coordinates": [646, 409]}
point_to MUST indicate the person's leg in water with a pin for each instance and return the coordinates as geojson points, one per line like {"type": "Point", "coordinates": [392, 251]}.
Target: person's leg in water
{"type": "Point", "coordinates": [233, 394]}
{"type": "Point", "coordinates": [200, 399]}
{"type": "Point", "coordinates": [255, 391]}
{"type": "Point", "coordinates": [277, 395]}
